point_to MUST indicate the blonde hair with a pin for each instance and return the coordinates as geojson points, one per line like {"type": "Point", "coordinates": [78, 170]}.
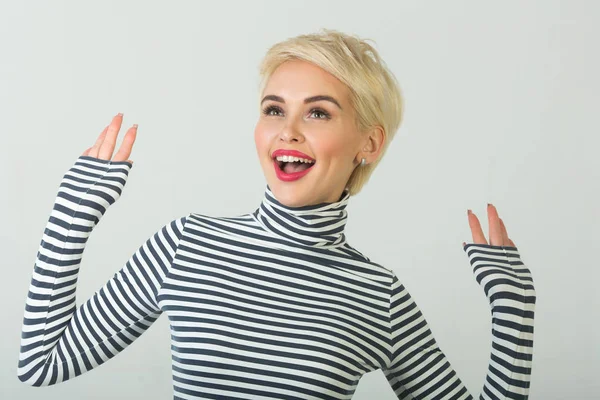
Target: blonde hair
{"type": "Point", "coordinates": [374, 91]}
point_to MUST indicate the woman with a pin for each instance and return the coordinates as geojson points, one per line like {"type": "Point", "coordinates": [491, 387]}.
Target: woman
{"type": "Point", "coordinates": [274, 303]}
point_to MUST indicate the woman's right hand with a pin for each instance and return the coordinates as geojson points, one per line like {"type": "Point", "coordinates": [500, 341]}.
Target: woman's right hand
{"type": "Point", "coordinates": [105, 144]}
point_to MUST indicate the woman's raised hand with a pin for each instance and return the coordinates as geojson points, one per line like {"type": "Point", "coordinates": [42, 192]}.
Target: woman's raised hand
{"type": "Point", "coordinates": [498, 234]}
{"type": "Point", "coordinates": [105, 144]}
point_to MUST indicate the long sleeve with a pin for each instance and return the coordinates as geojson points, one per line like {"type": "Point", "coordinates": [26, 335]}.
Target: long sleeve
{"type": "Point", "coordinates": [420, 370]}
{"type": "Point", "coordinates": [59, 340]}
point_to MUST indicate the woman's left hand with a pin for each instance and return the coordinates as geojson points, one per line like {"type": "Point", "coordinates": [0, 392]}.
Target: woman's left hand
{"type": "Point", "coordinates": [497, 266]}
{"type": "Point", "coordinates": [498, 234]}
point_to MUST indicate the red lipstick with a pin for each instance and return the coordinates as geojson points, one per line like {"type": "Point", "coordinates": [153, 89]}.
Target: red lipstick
{"type": "Point", "coordinates": [293, 153]}
{"type": "Point", "coordinates": [282, 175]}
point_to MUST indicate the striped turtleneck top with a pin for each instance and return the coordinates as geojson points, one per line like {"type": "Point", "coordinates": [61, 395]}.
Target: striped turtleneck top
{"type": "Point", "coordinates": [273, 304]}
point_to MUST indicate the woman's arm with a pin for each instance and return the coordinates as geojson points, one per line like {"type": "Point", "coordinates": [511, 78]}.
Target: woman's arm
{"type": "Point", "coordinates": [60, 340]}
{"type": "Point", "coordinates": [420, 370]}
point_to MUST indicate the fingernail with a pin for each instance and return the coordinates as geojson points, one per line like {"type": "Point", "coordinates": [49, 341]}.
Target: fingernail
{"type": "Point", "coordinates": [135, 126]}
{"type": "Point", "coordinates": [469, 212]}
{"type": "Point", "coordinates": [120, 114]}
{"type": "Point", "coordinates": [489, 205]}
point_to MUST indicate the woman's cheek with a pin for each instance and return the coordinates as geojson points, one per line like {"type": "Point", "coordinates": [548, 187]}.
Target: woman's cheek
{"type": "Point", "coordinates": [261, 135]}
{"type": "Point", "coordinates": [333, 146]}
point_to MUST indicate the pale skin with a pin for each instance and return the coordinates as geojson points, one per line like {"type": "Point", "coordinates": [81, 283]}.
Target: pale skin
{"type": "Point", "coordinates": [305, 108]}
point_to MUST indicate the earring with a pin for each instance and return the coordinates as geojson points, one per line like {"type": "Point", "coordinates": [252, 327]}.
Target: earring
{"type": "Point", "coordinates": [362, 162]}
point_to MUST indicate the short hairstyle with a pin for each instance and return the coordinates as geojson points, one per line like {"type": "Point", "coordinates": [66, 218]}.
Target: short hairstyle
{"type": "Point", "coordinates": [374, 90]}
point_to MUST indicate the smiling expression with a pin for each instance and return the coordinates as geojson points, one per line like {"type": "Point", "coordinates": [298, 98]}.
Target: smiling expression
{"type": "Point", "coordinates": [308, 110]}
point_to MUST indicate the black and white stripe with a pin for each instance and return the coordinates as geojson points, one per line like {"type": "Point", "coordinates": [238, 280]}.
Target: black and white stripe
{"type": "Point", "coordinates": [273, 304]}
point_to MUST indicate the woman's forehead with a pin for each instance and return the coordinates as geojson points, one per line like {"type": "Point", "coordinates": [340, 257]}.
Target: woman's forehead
{"type": "Point", "coordinates": [303, 79]}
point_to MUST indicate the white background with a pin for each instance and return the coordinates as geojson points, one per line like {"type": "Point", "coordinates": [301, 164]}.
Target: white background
{"type": "Point", "coordinates": [502, 104]}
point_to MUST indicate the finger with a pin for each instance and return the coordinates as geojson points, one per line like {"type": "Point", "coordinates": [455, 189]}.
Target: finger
{"type": "Point", "coordinates": [86, 152]}
{"type": "Point", "coordinates": [127, 144]}
{"type": "Point", "coordinates": [476, 231]}
{"type": "Point", "coordinates": [512, 243]}
{"type": "Point", "coordinates": [494, 225]}
{"type": "Point", "coordinates": [94, 149]}
{"type": "Point", "coordinates": [505, 240]}
{"type": "Point", "coordinates": [108, 146]}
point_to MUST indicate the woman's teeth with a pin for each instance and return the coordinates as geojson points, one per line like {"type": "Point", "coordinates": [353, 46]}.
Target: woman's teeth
{"type": "Point", "coordinates": [294, 159]}
{"type": "Point", "coordinates": [291, 164]}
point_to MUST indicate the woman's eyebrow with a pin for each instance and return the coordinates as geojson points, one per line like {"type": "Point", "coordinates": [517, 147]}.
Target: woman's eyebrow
{"type": "Point", "coordinates": [306, 101]}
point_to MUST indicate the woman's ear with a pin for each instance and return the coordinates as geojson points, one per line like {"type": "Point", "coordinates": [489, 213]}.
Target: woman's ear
{"type": "Point", "coordinates": [373, 144]}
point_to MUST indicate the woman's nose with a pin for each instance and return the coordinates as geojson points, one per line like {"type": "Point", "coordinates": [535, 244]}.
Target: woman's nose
{"type": "Point", "coordinates": [289, 134]}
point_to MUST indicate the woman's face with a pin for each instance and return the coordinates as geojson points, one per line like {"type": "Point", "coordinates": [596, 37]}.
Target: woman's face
{"type": "Point", "coordinates": [306, 109]}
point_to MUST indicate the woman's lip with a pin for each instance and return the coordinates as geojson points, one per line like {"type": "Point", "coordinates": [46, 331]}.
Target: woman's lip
{"type": "Point", "coordinates": [292, 153]}
{"type": "Point", "coordinates": [289, 177]}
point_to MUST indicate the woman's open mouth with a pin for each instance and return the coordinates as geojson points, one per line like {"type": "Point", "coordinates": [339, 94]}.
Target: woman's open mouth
{"type": "Point", "coordinates": [291, 168]}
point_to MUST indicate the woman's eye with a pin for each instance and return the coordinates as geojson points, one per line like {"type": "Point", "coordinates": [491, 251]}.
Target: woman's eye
{"type": "Point", "coordinates": [269, 110]}
{"type": "Point", "coordinates": [321, 114]}
{"type": "Point", "coordinates": [275, 111]}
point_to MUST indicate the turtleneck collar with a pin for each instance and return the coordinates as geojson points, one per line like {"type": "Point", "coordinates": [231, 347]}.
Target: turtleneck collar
{"type": "Point", "coordinates": [319, 225]}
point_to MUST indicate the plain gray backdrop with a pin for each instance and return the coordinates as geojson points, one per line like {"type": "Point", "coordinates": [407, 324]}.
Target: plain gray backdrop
{"type": "Point", "coordinates": [502, 106]}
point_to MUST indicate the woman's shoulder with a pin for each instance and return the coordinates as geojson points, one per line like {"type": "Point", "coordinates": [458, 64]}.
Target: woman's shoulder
{"type": "Point", "coordinates": [376, 270]}
{"type": "Point", "coordinates": [220, 223]}
{"type": "Point", "coordinates": [201, 217]}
